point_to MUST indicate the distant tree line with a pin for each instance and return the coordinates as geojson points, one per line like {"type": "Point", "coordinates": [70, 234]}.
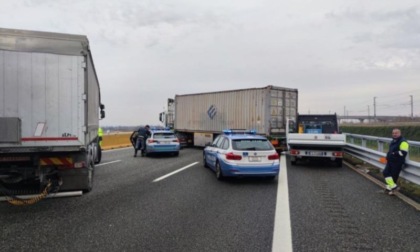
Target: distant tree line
{"type": "Point", "coordinates": [410, 132]}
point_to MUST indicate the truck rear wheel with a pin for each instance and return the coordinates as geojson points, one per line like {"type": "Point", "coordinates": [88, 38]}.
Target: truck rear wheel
{"type": "Point", "coordinates": [98, 154]}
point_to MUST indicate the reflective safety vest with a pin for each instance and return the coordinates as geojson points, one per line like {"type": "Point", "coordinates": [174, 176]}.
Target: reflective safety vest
{"type": "Point", "coordinates": [398, 150]}
{"type": "Point", "coordinates": [100, 134]}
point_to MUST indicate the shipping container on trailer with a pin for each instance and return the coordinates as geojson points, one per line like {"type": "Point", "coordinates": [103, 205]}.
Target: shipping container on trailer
{"type": "Point", "coordinates": [50, 106]}
{"type": "Point", "coordinates": [203, 116]}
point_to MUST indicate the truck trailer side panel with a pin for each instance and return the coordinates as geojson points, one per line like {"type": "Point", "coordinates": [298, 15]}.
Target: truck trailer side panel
{"type": "Point", "coordinates": [93, 99]}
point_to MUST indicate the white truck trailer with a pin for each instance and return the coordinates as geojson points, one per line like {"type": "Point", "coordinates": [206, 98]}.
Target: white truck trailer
{"type": "Point", "coordinates": [203, 116]}
{"type": "Point", "coordinates": [50, 106]}
{"type": "Point", "coordinates": [313, 137]}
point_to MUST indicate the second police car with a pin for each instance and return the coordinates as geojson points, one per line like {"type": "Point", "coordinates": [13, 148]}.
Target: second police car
{"type": "Point", "coordinates": [241, 153]}
{"type": "Point", "coordinates": [162, 141]}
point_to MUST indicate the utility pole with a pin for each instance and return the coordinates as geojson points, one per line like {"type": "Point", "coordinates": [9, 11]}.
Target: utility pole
{"type": "Point", "coordinates": [412, 115]}
{"type": "Point", "coordinates": [344, 111]}
{"type": "Point", "coordinates": [368, 112]}
{"type": "Point", "coordinates": [374, 108]}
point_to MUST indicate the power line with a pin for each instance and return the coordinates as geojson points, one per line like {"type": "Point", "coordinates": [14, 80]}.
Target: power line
{"type": "Point", "coordinates": [399, 94]}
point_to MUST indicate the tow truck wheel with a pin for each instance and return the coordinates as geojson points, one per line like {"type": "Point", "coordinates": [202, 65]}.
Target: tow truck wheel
{"type": "Point", "coordinates": [339, 162]}
{"type": "Point", "coordinates": [293, 160]}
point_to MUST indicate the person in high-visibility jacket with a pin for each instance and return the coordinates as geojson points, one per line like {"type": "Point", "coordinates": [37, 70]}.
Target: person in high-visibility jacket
{"type": "Point", "coordinates": [100, 135]}
{"type": "Point", "coordinates": [398, 150]}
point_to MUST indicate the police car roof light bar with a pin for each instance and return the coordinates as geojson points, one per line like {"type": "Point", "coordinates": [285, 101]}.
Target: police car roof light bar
{"type": "Point", "coordinates": [239, 131]}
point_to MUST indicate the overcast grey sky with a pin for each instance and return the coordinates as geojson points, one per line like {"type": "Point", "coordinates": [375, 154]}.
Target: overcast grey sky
{"type": "Point", "coordinates": [336, 52]}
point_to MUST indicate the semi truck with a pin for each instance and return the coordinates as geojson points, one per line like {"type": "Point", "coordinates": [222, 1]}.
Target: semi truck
{"type": "Point", "coordinates": [203, 116]}
{"type": "Point", "coordinates": [50, 107]}
{"type": "Point", "coordinates": [313, 137]}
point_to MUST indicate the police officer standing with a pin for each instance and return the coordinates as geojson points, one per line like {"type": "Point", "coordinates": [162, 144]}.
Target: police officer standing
{"type": "Point", "coordinates": [398, 150]}
{"type": "Point", "coordinates": [142, 134]}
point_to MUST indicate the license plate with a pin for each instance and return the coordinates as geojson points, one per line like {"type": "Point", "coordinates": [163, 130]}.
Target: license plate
{"type": "Point", "coordinates": [254, 159]}
{"type": "Point", "coordinates": [315, 153]}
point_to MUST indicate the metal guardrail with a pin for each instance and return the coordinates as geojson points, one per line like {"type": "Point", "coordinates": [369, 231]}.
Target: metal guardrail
{"type": "Point", "coordinates": [373, 151]}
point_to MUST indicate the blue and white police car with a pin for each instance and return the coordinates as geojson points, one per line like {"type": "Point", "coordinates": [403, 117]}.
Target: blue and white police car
{"type": "Point", "coordinates": [241, 153]}
{"type": "Point", "coordinates": [162, 141]}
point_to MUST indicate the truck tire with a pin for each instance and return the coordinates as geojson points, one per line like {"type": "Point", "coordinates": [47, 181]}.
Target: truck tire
{"type": "Point", "coordinates": [98, 154]}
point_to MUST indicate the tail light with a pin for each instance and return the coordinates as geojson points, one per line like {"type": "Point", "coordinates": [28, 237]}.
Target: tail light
{"type": "Point", "coordinates": [294, 152]}
{"type": "Point", "coordinates": [273, 156]}
{"type": "Point", "coordinates": [151, 141]}
{"type": "Point", "coordinates": [232, 156]}
{"type": "Point", "coordinates": [338, 154]}
{"type": "Point", "coordinates": [175, 140]}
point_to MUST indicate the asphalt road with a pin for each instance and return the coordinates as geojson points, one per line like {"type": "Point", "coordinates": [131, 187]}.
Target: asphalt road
{"type": "Point", "coordinates": [331, 209]}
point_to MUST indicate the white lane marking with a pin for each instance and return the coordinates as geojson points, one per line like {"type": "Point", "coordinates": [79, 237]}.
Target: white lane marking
{"type": "Point", "coordinates": [174, 172]}
{"type": "Point", "coordinates": [118, 149]}
{"type": "Point", "coordinates": [111, 162]}
{"type": "Point", "coordinates": [282, 235]}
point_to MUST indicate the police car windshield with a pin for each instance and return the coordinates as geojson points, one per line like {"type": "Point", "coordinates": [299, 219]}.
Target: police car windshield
{"type": "Point", "coordinates": [163, 135]}
{"type": "Point", "coordinates": [251, 144]}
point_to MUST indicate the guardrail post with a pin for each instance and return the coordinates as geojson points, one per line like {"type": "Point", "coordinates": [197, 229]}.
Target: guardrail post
{"type": "Point", "coordinates": [363, 143]}
{"type": "Point", "coordinates": [380, 146]}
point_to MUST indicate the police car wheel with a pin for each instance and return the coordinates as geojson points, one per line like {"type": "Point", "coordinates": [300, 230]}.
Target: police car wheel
{"type": "Point", "coordinates": [204, 161]}
{"type": "Point", "coordinates": [219, 174]}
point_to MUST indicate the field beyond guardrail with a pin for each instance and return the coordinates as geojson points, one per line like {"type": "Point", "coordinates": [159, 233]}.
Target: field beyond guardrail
{"type": "Point", "coordinates": [116, 140]}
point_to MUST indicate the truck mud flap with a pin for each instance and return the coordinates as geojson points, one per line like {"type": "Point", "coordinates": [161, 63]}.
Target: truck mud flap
{"type": "Point", "coordinates": [75, 179]}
